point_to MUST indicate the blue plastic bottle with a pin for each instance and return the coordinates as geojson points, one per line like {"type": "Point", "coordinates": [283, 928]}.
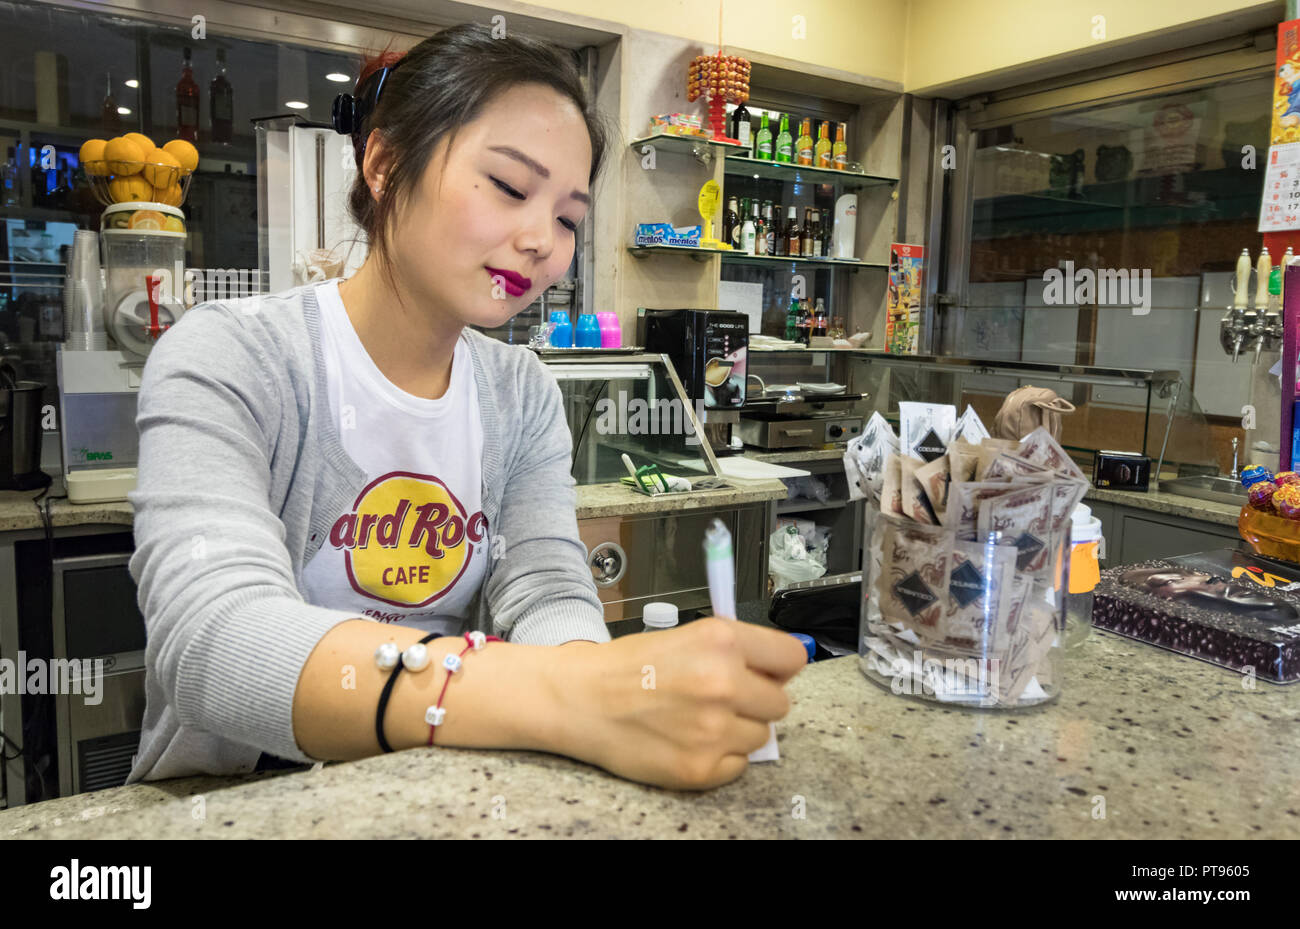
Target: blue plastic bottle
{"type": "Point", "coordinates": [808, 642]}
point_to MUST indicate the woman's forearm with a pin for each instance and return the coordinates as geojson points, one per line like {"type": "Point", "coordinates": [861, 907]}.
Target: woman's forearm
{"type": "Point", "coordinates": [503, 697]}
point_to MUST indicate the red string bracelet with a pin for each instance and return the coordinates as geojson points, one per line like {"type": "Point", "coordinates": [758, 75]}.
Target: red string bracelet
{"type": "Point", "coordinates": [435, 714]}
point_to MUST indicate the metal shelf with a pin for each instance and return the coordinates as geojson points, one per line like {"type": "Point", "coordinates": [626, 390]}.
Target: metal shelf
{"type": "Point", "coordinates": [741, 258]}
{"type": "Point", "coordinates": [807, 506]}
{"type": "Point", "coordinates": [697, 254]}
{"type": "Point", "coordinates": [683, 143]}
{"type": "Point", "coordinates": [742, 166]}
{"type": "Point", "coordinates": [828, 580]}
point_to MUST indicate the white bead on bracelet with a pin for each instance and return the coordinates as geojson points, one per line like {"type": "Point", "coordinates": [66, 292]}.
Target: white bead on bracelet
{"type": "Point", "coordinates": [415, 658]}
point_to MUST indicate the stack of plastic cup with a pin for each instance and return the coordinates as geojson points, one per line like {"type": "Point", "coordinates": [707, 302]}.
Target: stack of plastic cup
{"type": "Point", "coordinates": [611, 335]}
{"type": "Point", "coordinates": [587, 333]}
{"type": "Point", "coordinates": [83, 296]}
{"type": "Point", "coordinates": [562, 336]}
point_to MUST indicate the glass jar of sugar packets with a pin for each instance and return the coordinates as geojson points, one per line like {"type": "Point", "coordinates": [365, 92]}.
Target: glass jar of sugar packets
{"type": "Point", "coordinates": [966, 617]}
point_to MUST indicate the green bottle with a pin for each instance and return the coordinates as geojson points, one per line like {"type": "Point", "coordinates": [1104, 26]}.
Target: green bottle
{"type": "Point", "coordinates": [792, 321]}
{"type": "Point", "coordinates": [763, 140]}
{"type": "Point", "coordinates": [785, 142]}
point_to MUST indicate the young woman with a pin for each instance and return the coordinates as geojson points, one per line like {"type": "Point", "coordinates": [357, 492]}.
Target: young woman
{"type": "Point", "coordinates": [347, 467]}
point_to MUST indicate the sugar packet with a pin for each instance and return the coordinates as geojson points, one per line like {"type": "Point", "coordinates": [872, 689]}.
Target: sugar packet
{"type": "Point", "coordinates": [865, 458]}
{"type": "Point", "coordinates": [970, 427]}
{"type": "Point", "coordinates": [925, 428]}
{"type": "Point", "coordinates": [1040, 448]}
{"type": "Point", "coordinates": [1023, 516]}
{"type": "Point", "coordinates": [963, 459]}
{"type": "Point", "coordinates": [891, 488]}
{"type": "Point", "coordinates": [911, 587]}
{"type": "Point", "coordinates": [934, 479]}
{"type": "Point", "coordinates": [964, 500]}
{"type": "Point", "coordinates": [989, 450]}
{"type": "Point", "coordinates": [915, 501]}
{"type": "Point", "coordinates": [1008, 467]}
{"type": "Point", "coordinates": [981, 588]}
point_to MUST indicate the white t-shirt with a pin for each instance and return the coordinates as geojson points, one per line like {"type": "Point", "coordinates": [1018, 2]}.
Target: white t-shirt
{"type": "Point", "coordinates": [412, 548]}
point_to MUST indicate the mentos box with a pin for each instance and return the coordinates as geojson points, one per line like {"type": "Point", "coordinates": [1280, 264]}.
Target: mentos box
{"type": "Point", "coordinates": [664, 234]}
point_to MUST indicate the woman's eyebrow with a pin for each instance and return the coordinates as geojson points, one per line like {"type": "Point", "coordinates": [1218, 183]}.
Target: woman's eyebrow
{"type": "Point", "coordinates": [536, 166]}
{"type": "Point", "coordinates": [520, 157]}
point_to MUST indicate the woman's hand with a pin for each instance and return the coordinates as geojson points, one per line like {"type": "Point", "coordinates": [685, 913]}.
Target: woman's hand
{"type": "Point", "coordinates": [680, 708]}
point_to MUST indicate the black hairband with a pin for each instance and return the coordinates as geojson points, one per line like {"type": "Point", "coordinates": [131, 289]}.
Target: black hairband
{"type": "Point", "coordinates": [350, 112]}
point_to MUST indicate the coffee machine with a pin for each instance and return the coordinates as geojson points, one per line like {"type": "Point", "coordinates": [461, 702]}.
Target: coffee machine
{"type": "Point", "coordinates": [708, 350]}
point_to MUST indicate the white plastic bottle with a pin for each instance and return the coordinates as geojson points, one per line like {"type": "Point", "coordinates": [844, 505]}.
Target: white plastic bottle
{"type": "Point", "coordinates": [659, 616]}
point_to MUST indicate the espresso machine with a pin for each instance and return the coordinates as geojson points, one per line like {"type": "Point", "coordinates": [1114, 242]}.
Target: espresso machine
{"type": "Point", "coordinates": [709, 351]}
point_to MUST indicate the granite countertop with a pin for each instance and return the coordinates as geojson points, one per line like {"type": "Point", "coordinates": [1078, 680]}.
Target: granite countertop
{"type": "Point", "coordinates": [1175, 747]}
{"type": "Point", "coordinates": [598, 500]}
{"type": "Point", "coordinates": [787, 455]}
{"type": "Point", "coordinates": [1210, 511]}
{"type": "Point", "coordinates": [17, 512]}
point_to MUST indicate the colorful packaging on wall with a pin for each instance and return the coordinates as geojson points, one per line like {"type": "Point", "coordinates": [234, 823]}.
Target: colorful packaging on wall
{"type": "Point", "coordinates": [903, 305]}
{"type": "Point", "coordinates": [666, 234]}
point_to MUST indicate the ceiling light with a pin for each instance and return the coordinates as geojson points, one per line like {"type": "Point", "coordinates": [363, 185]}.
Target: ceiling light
{"type": "Point", "coordinates": [337, 77]}
{"type": "Point", "coordinates": [296, 105]}
{"type": "Point", "coordinates": [124, 111]}
{"type": "Point", "coordinates": [133, 83]}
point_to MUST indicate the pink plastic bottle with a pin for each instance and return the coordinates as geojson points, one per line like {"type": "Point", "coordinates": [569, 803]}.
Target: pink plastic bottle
{"type": "Point", "coordinates": [611, 334]}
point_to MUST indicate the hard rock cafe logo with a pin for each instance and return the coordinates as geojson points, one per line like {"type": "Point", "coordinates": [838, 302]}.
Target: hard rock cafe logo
{"type": "Point", "coordinates": [407, 540]}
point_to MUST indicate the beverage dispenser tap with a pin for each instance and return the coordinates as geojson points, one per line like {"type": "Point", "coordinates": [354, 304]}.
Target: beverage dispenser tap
{"type": "Point", "coordinates": [1259, 328]}
{"type": "Point", "coordinates": [1234, 327]}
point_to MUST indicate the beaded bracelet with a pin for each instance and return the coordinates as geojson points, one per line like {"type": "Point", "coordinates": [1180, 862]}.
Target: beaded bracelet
{"type": "Point", "coordinates": [435, 714]}
{"type": "Point", "coordinates": [416, 658]}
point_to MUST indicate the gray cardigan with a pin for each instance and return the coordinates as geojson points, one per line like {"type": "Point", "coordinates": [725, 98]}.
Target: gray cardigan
{"type": "Point", "coordinates": [242, 473]}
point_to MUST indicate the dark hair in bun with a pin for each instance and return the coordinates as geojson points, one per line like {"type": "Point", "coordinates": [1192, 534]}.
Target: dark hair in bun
{"type": "Point", "coordinates": [441, 85]}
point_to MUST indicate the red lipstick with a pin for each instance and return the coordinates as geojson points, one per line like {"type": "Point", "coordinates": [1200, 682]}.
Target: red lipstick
{"type": "Point", "coordinates": [516, 285]}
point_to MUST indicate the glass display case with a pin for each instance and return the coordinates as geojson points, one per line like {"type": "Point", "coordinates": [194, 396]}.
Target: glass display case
{"type": "Point", "coordinates": [1124, 409]}
{"type": "Point", "coordinates": [629, 403]}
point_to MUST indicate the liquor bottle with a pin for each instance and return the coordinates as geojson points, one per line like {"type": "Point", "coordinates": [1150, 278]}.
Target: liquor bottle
{"type": "Point", "coordinates": [221, 104]}
{"type": "Point", "coordinates": [769, 228]}
{"type": "Point", "coordinates": [784, 142]}
{"type": "Point", "coordinates": [187, 103]}
{"type": "Point", "coordinates": [747, 233]}
{"type": "Point", "coordinates": [839, 151]}
{"type": "Point", "coordinates": [109, 116]}
{"type": "Point", "coordinates": [817, 237]}
{"type": "Point", "coordinates": [763, 140]}
{"type": "Point", "coordinates": [792, 234]}
{"type": "Point", "coordinates": [741, 129]}
{"type": "Point", "coordinates": [821, 323]}
{"type": "Point", "coordinates": [804, 147]}
{"type": "Point", "coordinates": [9, 181]}
{"type": "Point", "coordinates": [760, 232]}
{"type": "Point", "coordinates": [805, 244]}
{"type": "Point", "coordinates": [822, 152]}
{"type": "Point", "coordinates": [792, 321]}
{"type": "Point", "coordinates": [730, 224]}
